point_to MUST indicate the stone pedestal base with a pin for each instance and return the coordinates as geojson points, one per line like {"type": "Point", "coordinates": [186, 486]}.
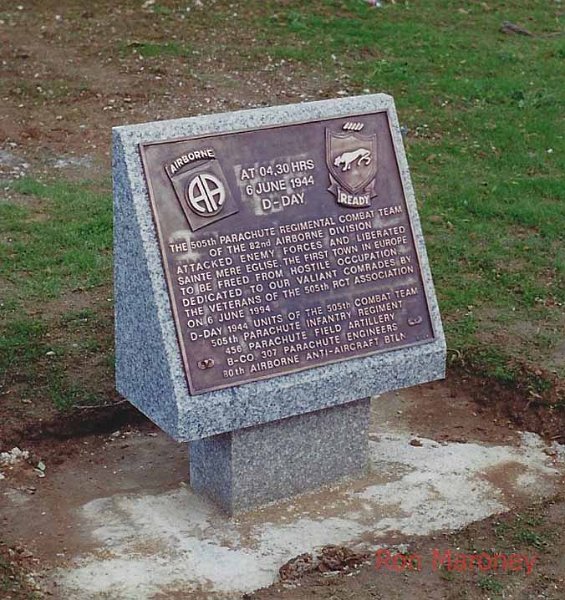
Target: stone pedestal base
{"type": "Point", "coordinates": [249, 467]}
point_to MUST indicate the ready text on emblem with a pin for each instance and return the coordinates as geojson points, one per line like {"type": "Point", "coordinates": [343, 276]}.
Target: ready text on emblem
{"type": "Point", "coordinates": [351, 158]}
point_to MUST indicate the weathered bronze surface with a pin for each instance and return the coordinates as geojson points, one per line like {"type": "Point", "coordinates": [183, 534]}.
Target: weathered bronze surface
{"type": "Point", "coordinates": [286, 248]}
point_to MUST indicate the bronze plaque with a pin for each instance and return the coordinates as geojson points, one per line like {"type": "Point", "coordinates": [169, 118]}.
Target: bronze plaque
{"type": "Point", "coordinates": [286, 248]}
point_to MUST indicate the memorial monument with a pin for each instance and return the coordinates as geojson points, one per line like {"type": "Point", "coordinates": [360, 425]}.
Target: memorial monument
{"type": "Point", "coordinates": [270, 276]}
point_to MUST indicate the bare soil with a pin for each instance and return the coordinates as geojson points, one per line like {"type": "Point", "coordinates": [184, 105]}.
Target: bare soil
{"type": "Point", "coordinates": [39, 525]}
{"type": "Point", "coordinates": [79, 71]}
{"type": "Point", "coordinates": [72, 70]}
{"type": "Point", "coordinates": [377, 581]}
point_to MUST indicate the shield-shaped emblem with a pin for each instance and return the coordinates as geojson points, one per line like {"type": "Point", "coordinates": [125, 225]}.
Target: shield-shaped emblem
{"type": "Point", "coordinates": [352, 159]}
{"type": "Point", "coordinates": [203, 193]}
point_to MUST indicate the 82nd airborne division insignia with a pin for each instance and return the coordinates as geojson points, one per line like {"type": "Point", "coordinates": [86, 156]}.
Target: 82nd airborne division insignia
{"type": "Point", "coordinates": [201, 188]}
{"type": "Point", "coordinates": [351, 159]}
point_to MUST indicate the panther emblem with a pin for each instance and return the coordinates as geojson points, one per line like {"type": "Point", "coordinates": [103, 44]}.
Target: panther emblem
{"type": "Point", "coordinates": [351, 158]}
{"type": "Point", "coordinates": [345, 160]}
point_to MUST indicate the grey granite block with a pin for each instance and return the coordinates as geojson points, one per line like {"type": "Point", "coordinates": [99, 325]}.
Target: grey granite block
{"type": "Point", "coordinates": [250, 467]}
{"type": "Point", "coordinates": [149, 369]}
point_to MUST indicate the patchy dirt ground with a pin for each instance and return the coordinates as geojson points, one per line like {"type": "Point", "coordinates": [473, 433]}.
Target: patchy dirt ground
{"type": "Point", "coordinates": [397, 580]}
{"type": "Point", "coordinates": [79, 71]}
{"type": "Point", "coordinates": [104, 506]}
{"type": "Point", "coordinates": [69, 72]}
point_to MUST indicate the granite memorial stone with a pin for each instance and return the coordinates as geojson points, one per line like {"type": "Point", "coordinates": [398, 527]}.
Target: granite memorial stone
{"type": "Point", "coordinates": [270, 276]}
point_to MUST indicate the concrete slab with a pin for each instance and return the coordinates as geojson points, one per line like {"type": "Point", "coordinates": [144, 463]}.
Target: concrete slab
{"type": "Point", "coordinates": [150, 543]}
{"type": "Point", "coordinates": [117, 520]}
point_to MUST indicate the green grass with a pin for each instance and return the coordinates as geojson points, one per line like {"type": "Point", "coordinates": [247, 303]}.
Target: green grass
{"type": "Point", "coordinates": [21, 342]}
{"type": "Point", "coordinates": [26, 345]}
{"type": "Point", "coordinates": [159, 9]}
{"type": "Point", "coordinates": [79, 316]}
{"type": "Point", "coordinates": [65, 394]}
{"type": "Point", "coordinates": [56, 241]}
{"type": "Point", "coordinates": [63, 243]}
{"type": "Point", "coordinates": [526, 529]}
{"type": "Point", "coordinates": [490, 584]}
{"type": "Point", "coordinates": [485, 144]}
